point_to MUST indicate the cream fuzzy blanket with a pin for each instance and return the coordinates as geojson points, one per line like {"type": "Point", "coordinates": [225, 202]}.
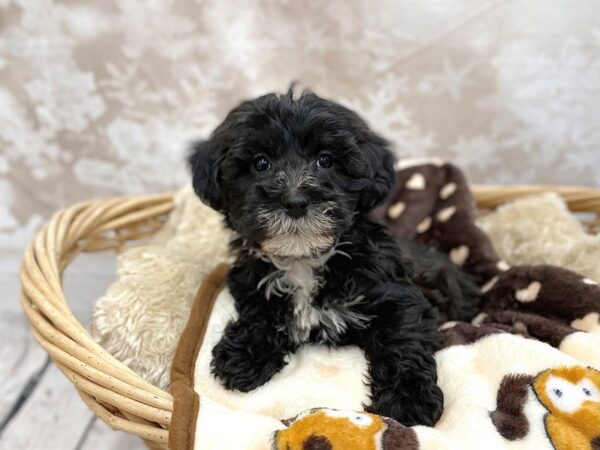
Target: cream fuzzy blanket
{"type": "Point", "coordinates": [479, 377]}
{"type": "Point", "coordinates": [141, 317]}
{"type": "Point", "coordinates": [541, 230]}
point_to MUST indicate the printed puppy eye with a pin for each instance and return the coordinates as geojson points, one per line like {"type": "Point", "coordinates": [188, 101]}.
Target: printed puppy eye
{"type": "Point", "coordinates": [558, 393]}
{"type": "Point", "coordinates": [261, 164]}
{"type": "Point", "coordinates": [587, 392]}
{"type": "Point", "coordinates": [324, 161]}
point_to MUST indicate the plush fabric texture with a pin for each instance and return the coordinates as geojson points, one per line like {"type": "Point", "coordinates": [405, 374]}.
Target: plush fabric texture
{"type": "Point", "coordinates": [141, 317]}
{"type": "Point", "coordinates": [493, 401]}
{"type": "Point", "coordinates": [322, 429]}
{"type": "Point", "coordinates": [489, 373]}
{"type": "Point", "coordinates": [438, 210]}
{"type": "Point", "coordinates": [541, 230]}
{"type": "Point", "coordinates": [498, 388]}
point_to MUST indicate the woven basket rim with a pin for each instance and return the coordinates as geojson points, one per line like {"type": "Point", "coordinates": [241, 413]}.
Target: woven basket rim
{"type": "Point", "coordinates": [110, 389]}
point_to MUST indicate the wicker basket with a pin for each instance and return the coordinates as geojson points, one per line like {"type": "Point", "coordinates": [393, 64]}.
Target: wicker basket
{"type": "Point", "coordinates": [115, 393]}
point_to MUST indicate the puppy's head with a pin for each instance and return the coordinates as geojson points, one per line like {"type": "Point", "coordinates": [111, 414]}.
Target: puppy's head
{"type": "Point", "coordinates": [291, 174]}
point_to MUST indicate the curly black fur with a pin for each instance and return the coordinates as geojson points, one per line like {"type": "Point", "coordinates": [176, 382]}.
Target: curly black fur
{"type": "Point", "coordinates": [323, 272]}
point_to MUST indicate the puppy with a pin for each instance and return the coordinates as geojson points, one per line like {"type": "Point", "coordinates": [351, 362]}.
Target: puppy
{"type": "Point", "coordinates": [296, 180]}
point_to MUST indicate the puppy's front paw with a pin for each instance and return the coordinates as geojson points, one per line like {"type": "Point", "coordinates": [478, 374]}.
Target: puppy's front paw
{"type": "Point", "coordinates": [421, 404]}
{"type": "Point", "coordinates": [240, 369]}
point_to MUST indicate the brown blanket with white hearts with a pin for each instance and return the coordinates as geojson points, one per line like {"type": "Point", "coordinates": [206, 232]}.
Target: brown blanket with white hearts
{"type": "Point", "coordinates": [432, 204]}
{"type": "Point", "coordinates": [524, 375]}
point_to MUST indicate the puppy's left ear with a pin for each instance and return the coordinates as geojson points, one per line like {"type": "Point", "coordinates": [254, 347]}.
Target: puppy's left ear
{"type": "Point", "coordinates": [381, 175]}
{"type": "Point", "coordinates": [204, 160]}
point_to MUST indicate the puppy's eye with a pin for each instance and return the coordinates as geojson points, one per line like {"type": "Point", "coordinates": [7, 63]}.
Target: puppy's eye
{"type": "Point", "coordinates": [324, 161]}
{"type": "Point", "coordinates": [261, 164]}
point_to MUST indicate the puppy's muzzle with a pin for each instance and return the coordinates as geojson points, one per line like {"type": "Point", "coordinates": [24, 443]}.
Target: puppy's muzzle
{"type": "Point", "coordinates": [295, 203]}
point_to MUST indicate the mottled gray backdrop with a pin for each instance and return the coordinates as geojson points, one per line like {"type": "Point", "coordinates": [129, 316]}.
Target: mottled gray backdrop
{"type": "Point", "coordinates": [99, 98]}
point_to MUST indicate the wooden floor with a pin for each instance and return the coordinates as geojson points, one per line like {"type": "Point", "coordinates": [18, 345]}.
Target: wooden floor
{"type": "Point", "coordinates": [39, 407]}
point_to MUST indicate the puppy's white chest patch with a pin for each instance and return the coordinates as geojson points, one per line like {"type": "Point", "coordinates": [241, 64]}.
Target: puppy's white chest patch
{"type": "Point", "coordinates": [299, 279]}
{"type": "Point", "coordinates": [306, 316]}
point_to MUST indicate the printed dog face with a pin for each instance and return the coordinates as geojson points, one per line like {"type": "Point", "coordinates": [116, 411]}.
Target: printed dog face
{"type": "Point", "coordinates": [290, 174]}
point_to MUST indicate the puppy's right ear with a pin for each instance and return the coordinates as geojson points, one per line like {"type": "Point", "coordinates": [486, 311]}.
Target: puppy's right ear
{"type": "Point", "coordinates": [205, 158]}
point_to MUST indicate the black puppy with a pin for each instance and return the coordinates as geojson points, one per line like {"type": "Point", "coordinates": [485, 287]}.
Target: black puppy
{"type": "Point", "coordinates": [296, 179]}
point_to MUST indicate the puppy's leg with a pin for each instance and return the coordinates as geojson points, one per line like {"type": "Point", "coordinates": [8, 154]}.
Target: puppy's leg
{"type": "Point", "coordinates": [454, 292]}
{"type": "Point", "coordinates": [250, 353]}
{"type": "Point", "coordinates": [400, 346]}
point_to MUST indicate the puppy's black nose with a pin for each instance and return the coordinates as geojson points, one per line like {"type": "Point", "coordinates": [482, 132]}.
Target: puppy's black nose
{"type": "Point", "coordinates": [295, 203]}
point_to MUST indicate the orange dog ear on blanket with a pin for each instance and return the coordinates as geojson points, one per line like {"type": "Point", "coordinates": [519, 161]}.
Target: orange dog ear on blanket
{"type": "Point", "coordinates": [571, 397]}
{"type": "Point", "coordinates": [324, 428]}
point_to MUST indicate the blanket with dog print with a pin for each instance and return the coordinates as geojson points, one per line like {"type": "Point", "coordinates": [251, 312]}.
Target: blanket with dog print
{"type": "Point", "coordinates": [524, 375]}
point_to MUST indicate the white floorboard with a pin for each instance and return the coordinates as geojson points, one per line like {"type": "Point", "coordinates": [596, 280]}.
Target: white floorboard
{"type": "Point", "coordinates": [20, 356]}
{"type": "Point", "coordinates": [53, 418]}
{"type": "Point", "coordinates": [39, 407]}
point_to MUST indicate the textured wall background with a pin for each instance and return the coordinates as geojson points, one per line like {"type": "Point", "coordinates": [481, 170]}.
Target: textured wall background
{"type": "Point", "coordinates": [99, 98]}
